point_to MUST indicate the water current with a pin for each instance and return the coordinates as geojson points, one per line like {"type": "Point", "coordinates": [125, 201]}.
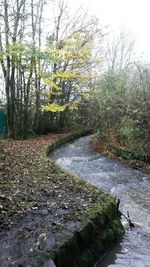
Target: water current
{"type": "Point", "coordinates": [117, 179]}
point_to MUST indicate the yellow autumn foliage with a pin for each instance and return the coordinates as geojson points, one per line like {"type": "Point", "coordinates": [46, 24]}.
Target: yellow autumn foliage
{"type": "Point", "coordinates": [52, 83]}
{"type": "Point", "coordinates": [54, 107]}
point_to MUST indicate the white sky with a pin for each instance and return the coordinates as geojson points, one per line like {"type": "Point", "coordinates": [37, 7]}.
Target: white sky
{"type": "Point", "coordinates": [133, 14]}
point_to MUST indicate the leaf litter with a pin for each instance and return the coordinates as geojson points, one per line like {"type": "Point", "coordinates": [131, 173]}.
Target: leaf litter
{"type": "Point", "coordinates": [37, 200]}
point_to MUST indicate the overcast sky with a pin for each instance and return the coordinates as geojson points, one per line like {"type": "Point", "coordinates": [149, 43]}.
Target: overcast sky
{"type": "Point", "coordinates": [133, 14]}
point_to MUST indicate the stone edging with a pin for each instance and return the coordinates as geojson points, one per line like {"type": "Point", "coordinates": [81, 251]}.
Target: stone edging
{"type": "Point", "coordinates": [67, 139]}
{"type": "Point", "coordinates": [100, 229]}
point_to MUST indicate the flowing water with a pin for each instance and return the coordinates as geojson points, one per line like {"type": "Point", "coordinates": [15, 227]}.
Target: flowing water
{"type": "Point", "coordinates": [117, 179]}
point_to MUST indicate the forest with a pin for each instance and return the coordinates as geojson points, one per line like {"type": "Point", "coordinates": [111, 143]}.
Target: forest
{"type": "Point", "coordinates": [69, 84]}
{"type": "Point", "coordinates": [59, 74]}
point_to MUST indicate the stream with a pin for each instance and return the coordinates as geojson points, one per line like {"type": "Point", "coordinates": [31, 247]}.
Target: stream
{"type": "Point", "coordinates": [131, 186]}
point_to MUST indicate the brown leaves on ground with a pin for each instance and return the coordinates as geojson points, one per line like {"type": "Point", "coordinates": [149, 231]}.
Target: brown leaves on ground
{"type": "Point", "coordinates": [29, 181]}
{"type": "Point", "coordinates": [22, 165]}
{"type": "Point", "coordinates": [101, 146]}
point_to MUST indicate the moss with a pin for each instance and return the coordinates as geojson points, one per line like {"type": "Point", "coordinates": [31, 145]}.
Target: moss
{"type": "Point", "coordinates": [94, 215]}
{"type": "Point", "coordinates": [84, 248]}
{"type": "Point", "coordinates": [101, 226]}
{"type": "Point", "coordinates": [126, 154]}
{"type": "Point", "coordinates": [67, 139]}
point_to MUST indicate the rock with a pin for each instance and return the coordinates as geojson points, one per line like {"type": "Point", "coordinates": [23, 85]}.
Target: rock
{"type": "Point", "coordinates": [49, 263]}
{"type": "Point", "coordinates": [44, 212]}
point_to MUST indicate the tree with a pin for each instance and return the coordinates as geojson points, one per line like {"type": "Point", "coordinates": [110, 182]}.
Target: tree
{"type": "Point", "coordinates": [112, 87]}
{"type": "Point", "coordinates": [39, 76]}
{"type": "Point", "coordinates": [72, 45]}
{"type": "Point", "coordinates": [19, 67]}
{"type": "Point", "coordinates": [118, 51]}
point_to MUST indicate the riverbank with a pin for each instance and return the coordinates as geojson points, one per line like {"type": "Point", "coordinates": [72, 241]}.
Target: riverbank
{"type": "Point", "coordinates": [46, 213]}
{"type": "Point", "coordinates": [117, 151]}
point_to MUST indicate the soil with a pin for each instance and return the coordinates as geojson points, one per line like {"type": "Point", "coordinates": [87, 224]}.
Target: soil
{"type": "Point", "coordinates": [37, 200]}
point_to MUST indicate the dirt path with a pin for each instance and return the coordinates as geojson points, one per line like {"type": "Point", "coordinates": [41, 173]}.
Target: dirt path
{"type": "Point", "coordinates": [39, 202]}
{"type": "Point", "coordinates": [24, 176]}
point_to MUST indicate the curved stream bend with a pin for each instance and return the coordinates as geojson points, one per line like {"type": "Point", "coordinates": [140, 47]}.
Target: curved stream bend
{"type": "Point", "coordinates": [131, 186]}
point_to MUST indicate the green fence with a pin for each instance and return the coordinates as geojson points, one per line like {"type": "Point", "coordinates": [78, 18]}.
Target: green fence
{"type": "Point", "coordinates": [3, 124]}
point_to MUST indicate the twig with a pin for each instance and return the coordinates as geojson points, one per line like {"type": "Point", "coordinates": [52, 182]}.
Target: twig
{"type": "Point", "coordinates": [120, 213]}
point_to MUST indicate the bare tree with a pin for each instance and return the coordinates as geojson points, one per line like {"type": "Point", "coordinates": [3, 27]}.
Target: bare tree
{"type": "Point", "coordinates": [118, 51]}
